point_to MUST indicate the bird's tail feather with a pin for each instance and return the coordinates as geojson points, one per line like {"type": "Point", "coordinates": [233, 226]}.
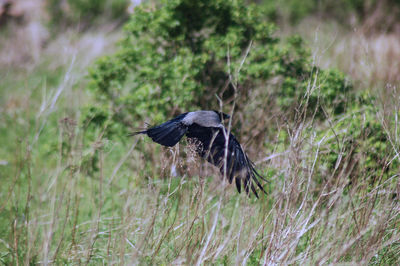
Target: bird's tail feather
{"type": "Point", "coordinates": [168, 133]}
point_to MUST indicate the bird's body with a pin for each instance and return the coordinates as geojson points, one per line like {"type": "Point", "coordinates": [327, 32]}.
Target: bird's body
{"type": "Point", "coordinates": [214, 143]}
{"type": "Point", "coordinates": [203, 118]}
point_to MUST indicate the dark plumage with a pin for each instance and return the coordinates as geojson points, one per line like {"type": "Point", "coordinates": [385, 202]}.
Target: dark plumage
{"type": "Point", "coordinates": [205, 129]}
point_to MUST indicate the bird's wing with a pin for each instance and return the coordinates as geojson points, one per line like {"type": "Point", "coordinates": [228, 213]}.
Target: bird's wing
{"type": "Point", "coordinates": [168, 133]}
{"type": "Point", "coordinates": [211, 146]}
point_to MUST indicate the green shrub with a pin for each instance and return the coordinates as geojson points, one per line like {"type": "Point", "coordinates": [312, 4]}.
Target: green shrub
{"type": "Point", "coordinates": [174, 58]}
{"type": "Point", "coordinates": [363, 143]}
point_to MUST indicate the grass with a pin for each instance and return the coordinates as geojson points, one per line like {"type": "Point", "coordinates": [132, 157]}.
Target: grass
{"type": "Point", "coordinates": [134, 210]}
{"type": "Point", "coordinates": [370, 60]}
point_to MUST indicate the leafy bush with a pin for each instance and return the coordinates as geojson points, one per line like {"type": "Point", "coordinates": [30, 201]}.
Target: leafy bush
{"type": "Point", "coordinates": [324, 89]}
{"type": "Point", "coordinates": [174, 58]}
{"type": "Point", "coordinates": [361, 144]}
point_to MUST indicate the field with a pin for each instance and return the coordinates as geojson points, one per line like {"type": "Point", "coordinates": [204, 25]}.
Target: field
{"type": "Point", "coordinates": [73, 194]}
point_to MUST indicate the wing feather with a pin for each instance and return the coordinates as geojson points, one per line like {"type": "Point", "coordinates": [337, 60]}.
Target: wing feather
{"type": "Point", "coordinates": [168, 133]}
{"type": "Point", "coordinates": [211, 146]}
{"type": "Point", "coordinates": [238, 165]}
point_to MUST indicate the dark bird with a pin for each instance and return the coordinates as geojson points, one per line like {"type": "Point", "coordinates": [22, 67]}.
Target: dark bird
{"type": "Point", "coordinates": [213, 142]}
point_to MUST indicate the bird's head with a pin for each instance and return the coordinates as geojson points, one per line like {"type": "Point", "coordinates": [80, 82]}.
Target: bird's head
{"type": "Point", "coordinates": [222, 115]}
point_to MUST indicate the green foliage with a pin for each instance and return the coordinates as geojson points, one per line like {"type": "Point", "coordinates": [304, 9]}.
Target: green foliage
{"type": "Point", "coordinates": [324, 92]}
{"type": "Point", "coordinates": [70, 195]}
{"type": "Point", "coordinates": [170, 62]}
{"type": "Point", "coordinates": [362, 143]}
{"type": "Point", "coordinates": [85, 13]}
{"type": "Point", "coordinates": [332, 91]}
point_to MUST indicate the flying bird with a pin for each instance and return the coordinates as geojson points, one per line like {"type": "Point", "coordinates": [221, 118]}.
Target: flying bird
{"type": "Point", "coordinates": [213, 143]}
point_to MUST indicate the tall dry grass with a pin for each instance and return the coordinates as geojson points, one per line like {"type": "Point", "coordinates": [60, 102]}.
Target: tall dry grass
{"type": "Point", "coordinates": [372, 60]}
{"type": "Point", "coordinates": [71, 217]}
{"type": "Point", "coordinates": [162, 207]}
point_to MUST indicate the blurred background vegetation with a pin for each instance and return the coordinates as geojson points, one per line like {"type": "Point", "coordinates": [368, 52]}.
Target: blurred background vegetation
{"type": "Point", "coordinates": [313, 86]}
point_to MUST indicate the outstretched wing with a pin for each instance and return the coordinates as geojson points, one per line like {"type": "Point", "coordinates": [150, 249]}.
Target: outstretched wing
{"type": "Point", "coordinates": [211, 146]}
{"type": "Point", "coordinates": [168, 133]}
